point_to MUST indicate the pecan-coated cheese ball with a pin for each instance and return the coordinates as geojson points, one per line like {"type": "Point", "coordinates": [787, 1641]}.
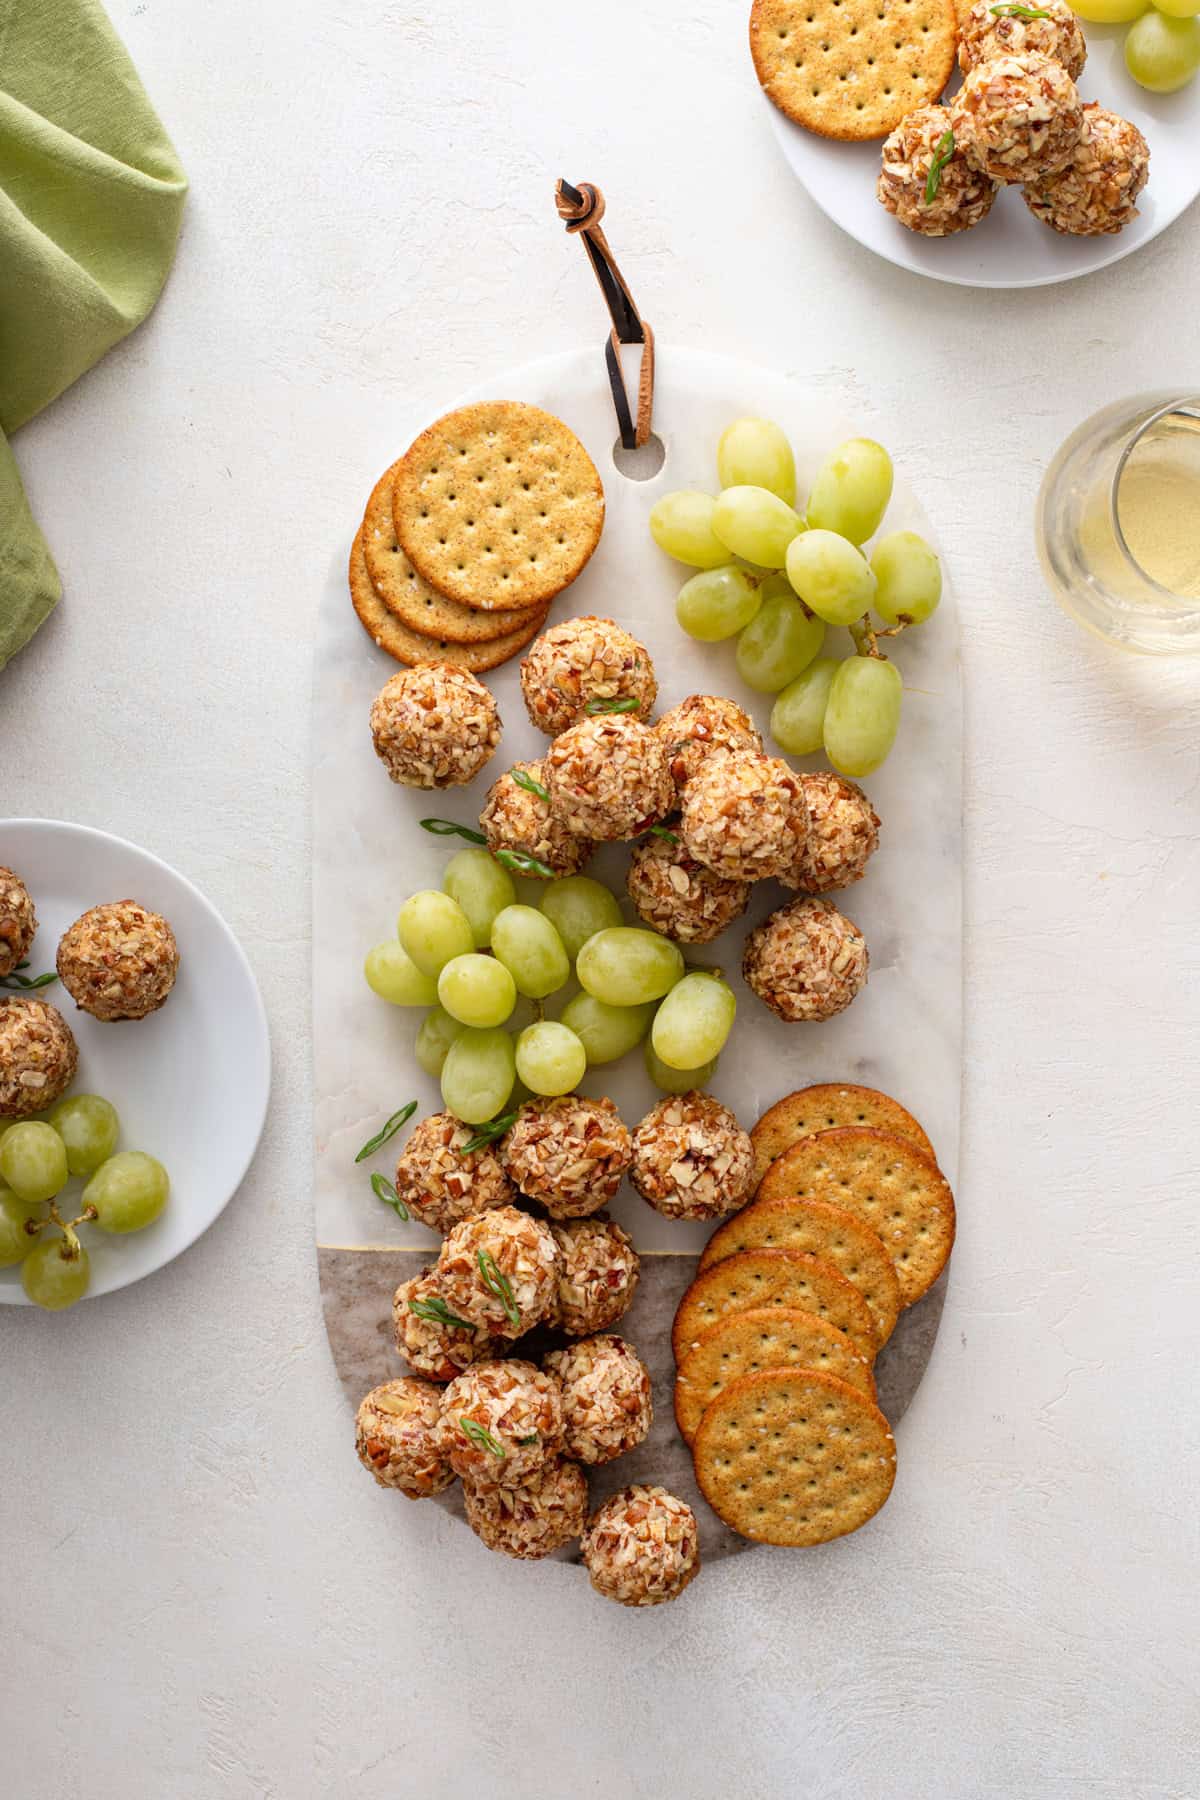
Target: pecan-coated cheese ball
{"type": "Point", "coordinates": [440, 1182]}
{"type": "Point", "coordinates": [678, 896]}
{"type": "Point", "coordinates": [1096, 193]}
{"type": "Point", "coordinates": [843, 834]}
{"type": "Point", "coordinates": [515, 817]}
{"type": "Point", "coordinates": [1017, 118]}
{"type": "Point", "coordinates": [598, 1271]}
{"type": "Point", "coordinates": [38, 1056]}
{"type": "Point", "coordinates": [118, 961]}
{"type": "Point", "coordinates": [569, 1154]}
{"type": "Point", "coordinates": [744, 816]}
{"type": "Point", "coordinates": [501, 1422]}
{"type": "Point", "coordinates": [532, 1518]}
{"type": "Point", "coordinates": [691, 1158]}
{"type": "Point", "coordinates": [937, 205]}
{"type": "Point", "coordinates": [642, 1547]}
{"type": "Point", "coordinates": [18, 921]}
{"type": "Point", "coordinates": [986, 31]}
{"type": "Point", "coordinates": [396, 1436]}
{"type": "Point", "coordinates": [580, 662]}
{"type": "Point", "coordinates": [806, 962]}
{"type": "Point", "coordinates": [433, 1340]}
{"type": "Point", "coordinates": [608, 1405]}
{"type": "Point", "coordinates": [499, 1269]}
{"type": "Point", "coordinates": [702, 723]}
{"type": "Point", "coordinates": [434, 726]}
{"type": "Point", "coordinates": [609, 778]}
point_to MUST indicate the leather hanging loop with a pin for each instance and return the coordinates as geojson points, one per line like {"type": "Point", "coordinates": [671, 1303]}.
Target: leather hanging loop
{"type": "Point", "coordinates": [581, 209]}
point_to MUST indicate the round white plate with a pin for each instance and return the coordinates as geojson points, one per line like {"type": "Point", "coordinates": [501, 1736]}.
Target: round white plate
{"type": "Point", "coordinates": [191, 1082]}
{"type": "Point", "coordinates": [1012, 249]}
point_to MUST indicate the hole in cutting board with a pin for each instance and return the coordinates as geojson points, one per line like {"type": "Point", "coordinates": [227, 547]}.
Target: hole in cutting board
{"type": "Point", "coordinates": [643, 462]}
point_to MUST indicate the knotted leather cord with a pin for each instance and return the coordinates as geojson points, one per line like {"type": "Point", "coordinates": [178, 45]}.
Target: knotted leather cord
{"type": "Point", "coordinates": [581, 209]}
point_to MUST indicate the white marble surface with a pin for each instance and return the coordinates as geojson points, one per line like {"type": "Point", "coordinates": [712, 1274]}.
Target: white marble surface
{"type": "Point", "coordinates": [197, 1602]}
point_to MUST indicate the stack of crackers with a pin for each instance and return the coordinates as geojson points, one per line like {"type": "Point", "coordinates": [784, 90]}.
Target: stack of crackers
{"type": "Point", "coordinates": [467, 539]}
{"type": "Point", "coordinates": [776, 1338]}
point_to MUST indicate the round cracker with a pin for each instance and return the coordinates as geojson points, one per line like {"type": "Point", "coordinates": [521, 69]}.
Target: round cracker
{"type": "Point", "coordinates": [823, 1107]}
{"type": "Point", "coordinates": [498, 505]}
{"type": "Point", "coordinates": [772, 1278]}
{"type": "Point", "coordinates": [411, 647]}
{"type": "Point", "coordinates": [790, 1456]}
{"type": "Point", "coordinates": [410, 598]}
{"type": "Point", "coordinates": [884, 1180]}
{"type": "Point", "coordinates": [767, 1337]}
{"type": "Point", "coordinates": [852, 69]}
{"type": "Point", "coordinates": [841, 1237]}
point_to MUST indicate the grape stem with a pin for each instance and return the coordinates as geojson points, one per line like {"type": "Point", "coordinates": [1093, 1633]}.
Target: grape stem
{"type": "Point", "coordinates": [866, 635]}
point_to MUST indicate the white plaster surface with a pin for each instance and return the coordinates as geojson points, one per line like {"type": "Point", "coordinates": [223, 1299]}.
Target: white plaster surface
{"type": "Point", "coordinates": [201, 1597]}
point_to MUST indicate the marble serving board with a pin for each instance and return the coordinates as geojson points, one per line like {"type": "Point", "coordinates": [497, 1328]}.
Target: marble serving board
{"type": "Point", "coordinates": [902, 1034]}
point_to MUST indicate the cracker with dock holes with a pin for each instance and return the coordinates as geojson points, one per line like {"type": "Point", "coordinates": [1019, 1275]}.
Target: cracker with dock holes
{"type": "Point", "coordinates": [757, 1278]}
{"type": "Point", "coordinates": [852, 69]}
{"type": "Point", "coordinates": [411, 647]}
{"type": "Point", "coordinates": [821, 1108]}
{"type": "Point", "coordinates": [767, 1337]}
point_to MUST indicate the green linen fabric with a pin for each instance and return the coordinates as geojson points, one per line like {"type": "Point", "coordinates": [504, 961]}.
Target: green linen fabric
{"type": "Point", "coordinates": [91, 196]}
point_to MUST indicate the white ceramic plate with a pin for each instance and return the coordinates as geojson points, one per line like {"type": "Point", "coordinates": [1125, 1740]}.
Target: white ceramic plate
{"type": "Point", "coordinates": [1012, 249]}
{"type": "Point", "coordinates": [191, 1082]}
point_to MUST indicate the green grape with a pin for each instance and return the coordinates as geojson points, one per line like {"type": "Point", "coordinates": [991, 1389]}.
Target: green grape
{"type": "Point", "coordinates": [691, 1025]}
{"type": "Point", "coordinates": [778, 644]}
{"type": "Point", "coordinates": [798, 716]}
{"type": "Point", "coordinates": [863, 714]}
{"type": "Point", "coordinates": [717, 603]}
{"type": "Point", "coordinates": [477, 990]}
{"type": "Point", "coordinates": [681, 524]}
{"type": "Point", "coordinates": [756, 525]}
{"type": "Point", "coordinates": [438, 1031]}
{"type": "Point", "coordinates": [1178, 9]}
{"type": "Point", "coordinates": [1162, 53]}
{"type": "Point", "coordinates": [676, 1081]}
{"type": "Point", "coordinates": [625, 966]}
{"type": "Point", "coordinates": [56, 1273]}
{"type": "Point", "coordinates": [33, 1161]}
{"type": "Point", "coordinates": [908, 576]}
{"type": "Point", "coordinates": [531, 950]}
{"type": "Point", "coordinates": [128, 1192]}
{"type": "Point", "coordinates": [89, 1127]}
{"type": "Point", "coordinates": [550, 1058]}
{"type": "Point", "coordinates": [852, 490]}
{"type": "Point", "coordinates": [433, 928]}
{"type": "Point", "coordinates": [481, 887]}
{"type": "Point", "coordinates": [756, 453]}
{"type": "Point", "coordinates": [833, 579]}
{"type": "Point", "coordinates": [1109, 12]}
{"type": "Point", "coordinates": [606, 1032]}
{"type": "Point", "coordinates": [578, 908]}
{"type": "Point", "coordinates": [478, 1075]}
{"type": "Point", "coordinates": [393, 975]}
{"type": "Point", "coordinates": [15, 1240]}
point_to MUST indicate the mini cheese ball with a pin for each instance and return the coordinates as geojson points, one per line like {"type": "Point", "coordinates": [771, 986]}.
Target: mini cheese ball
{"type": "Point", "coordinates": [608, 1405]}
{"type": "Point", "coordinates": [744, 816]}
{"type": "Point", "coordinates": [501, 1422]}
{"type": "Point", "coordinates": [641, 1547]}
{"type": "Point", "coordinates": [843, 835]}
{"type": "Point", "coordinates": [18, 921]}
{"type": "Point", "coordinates": [432, 1340]}
{"type": "Point", "coordinates": [1017, 118]}
{"type": "Point", "coordinates": [500, 1271]}
{"type": "Point", "coordinates": [1096, 193]}
{"type": "Point", "coordinates": [517, 818]}
{"type": "Point", "coordinates": [396, 1436]}
{"type": "Point", "coordinates": [434, 726]}
{"type": "Point", "coordinates": [678, 896]}
{"type": "Point", "coordinates": [608, 778]}
{"type": "Point", "coordinates": [119, 961]}
{"type": "Point", "coordinates": [806, 962]}
{"type": "Point", "coordinates": [984, 33]}
{"type": "Point", "coordinates": [581, 661]}
{"type": "Point", "coordinates": [569, 1154]}
{"type": "Point", "coordinates": [439, 1184]}
{"type": "Point", "coordinates": [532, 1518]}
{"type": "Point", "coordinates": [691, 1158]}
{"type": "Point", "coordinates": [598, 1272]}
{"type": "Point", "coordinates": [38, 1056]}
{"type": "Point", "coordinates": [962, 194]}
{"type": "Point", "coordinates": [691, 731]}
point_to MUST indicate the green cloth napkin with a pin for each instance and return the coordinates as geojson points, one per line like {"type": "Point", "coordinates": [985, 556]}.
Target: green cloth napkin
{"type": "Point", "coordinates": [91, 194]}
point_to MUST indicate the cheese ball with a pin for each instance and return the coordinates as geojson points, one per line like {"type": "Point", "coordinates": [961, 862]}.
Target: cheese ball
{"type": "Point", "coordinates": [744, 816]}
{"type": "Point", "coordinates": [843, 835]}
{"type": "Point", "coordinates": [641, 1547]}
{"type": "Point", "coordinates": [531, 1518]}
{"type": "Point", "coordinates": [608, 1407]}
{"type": "Point", "coordinates": [569, 1154]}
{"type": "Point", "coordinates": [702, 723]}
{"type": "Point", "coordinates": [501, 1422]}
{"type": "Point", "coordinates": [434, 726]}
{"type": "Point", "coordinates": [678, 896]}
{"type": "Point", "coordinates": [506, 1250]}
{"type": "Point", "coordinates": [608, 778]}
{"type": "Point", "coordinates": [18, 921]}
{"type": "Point", "coordinates": [433, 1341]}
{"type": "Point", "coordinates": [396, 1436]}
{"type": "Point", "coordinates": [1096, 193]}
{"type": "Point", "coordinates": [983, 34]}
{"type": "Point", "coordinates": [598, 1272]}
{"type": "Point", "coordinates": [806, 962]}
{"type": "Point", "coordinates": [38, 1056]}
{"type": "Point", "coordinates": [962, 195]}
{"type": "Point", "coordinates": [514, 818]}
{"type": "Point", "coordinates": [691, 1158]}
{"type": "Point", "coordinates": [439, 1184]}
{"type": "Point", "coordinates": [580, 661]}
{"type": "Point", "coordinates": [1017, 118]}
{"type": "Point", "coordinates": [118, 961]}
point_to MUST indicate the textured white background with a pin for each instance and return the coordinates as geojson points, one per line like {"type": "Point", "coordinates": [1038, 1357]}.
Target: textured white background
{"type": "Point", "coordinates": [202, 1596]}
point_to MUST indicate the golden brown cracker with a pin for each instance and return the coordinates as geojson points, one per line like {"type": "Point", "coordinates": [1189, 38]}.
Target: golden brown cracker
{"type": "Point", "coordinates": [822, 1107]}
{"type": "Point", "coordinates": [772, 1278]}
{"type": "Point", "coordinates": [411, 646]}
{"type": "Point", "coordinates": [852, 69]}
{"type": "Point", "coordinates": [767, 1337]}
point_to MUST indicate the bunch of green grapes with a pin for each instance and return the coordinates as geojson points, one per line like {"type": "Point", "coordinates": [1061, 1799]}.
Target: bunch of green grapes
{"type": "Point", "coordinates": [777, 579]}
{"type": "Point", "coordinates": [124, 1191]}
{"type": "Point", "coordinates": [1162, 45]}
